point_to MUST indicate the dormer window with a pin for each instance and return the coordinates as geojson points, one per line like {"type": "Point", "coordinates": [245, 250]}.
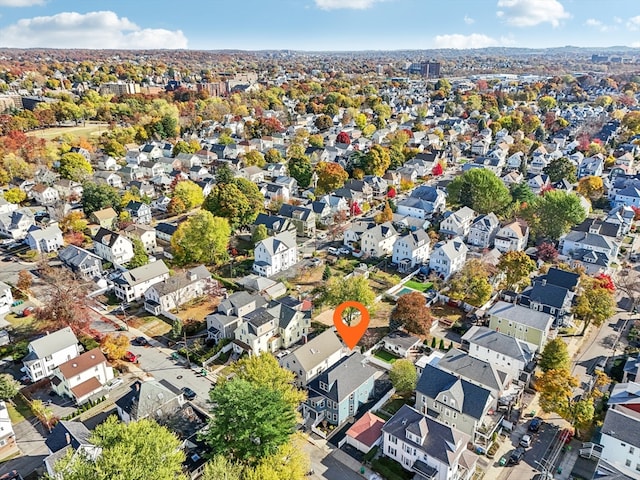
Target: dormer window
{"type": "Point", "coordinates": [324, 386]}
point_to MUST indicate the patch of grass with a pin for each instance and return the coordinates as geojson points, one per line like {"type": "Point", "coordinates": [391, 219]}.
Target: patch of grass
{"type": "Point", "coordinates": [390, 469]}
{"type": "Point", "coordinates": [395, 404]}
{"type": "Point", "coordinates": [385, 356]}
{"type": "Point", "coordinates": [370, 454]}
{"type": "Point", "coordinates": [421, 287]}
{"type": "Point", "coordinates": [90, 129]}
{"type": "Point", "coordinates": [19, 410]}
{"type": "Point", "coordinates": [383, 415]}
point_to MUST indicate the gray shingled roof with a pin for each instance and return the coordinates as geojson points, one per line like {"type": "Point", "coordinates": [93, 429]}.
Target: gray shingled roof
{"type": "Point", "coordinates": [499, 343]}
{"type": "Point", "coordinates": [316, 351]}
{"type": "Point", "coordinates": [343, 378]}
{"type": "Point", "coordinates": [477, 371]}
{"type": "Point", "coordinates": [622, 424]}
{"type": "Point", "coordinates": [53, 342]}
{"type": "Point", "coordinates": [521, 315]}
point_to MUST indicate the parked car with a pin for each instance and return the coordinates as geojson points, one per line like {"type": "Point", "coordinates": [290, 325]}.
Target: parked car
{"type": "Point", "coordinates": [130, 357]}
{"type": "Point", "coordinates": [344, 251]}
{"type": "Point", "coordinates": [516, 456]}
{"type": "Point", "coordinates": [525, 441]}
{"type": "Point", "coordinates": [534, 426]}
{"type": "Point", "coordinates": [188, 393]}
{"type": "Point", "coordinates": [140, 341]}
{"type": "Point", "coordinates": [332, 251]}
{"type": "Point", "coordinates": [321, 236]}
{"type": "Point", "coordinates": [116, 382]}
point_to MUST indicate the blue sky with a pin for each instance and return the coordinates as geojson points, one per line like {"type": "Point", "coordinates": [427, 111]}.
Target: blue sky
{"type": "Point", "coordinates": [318, 24]}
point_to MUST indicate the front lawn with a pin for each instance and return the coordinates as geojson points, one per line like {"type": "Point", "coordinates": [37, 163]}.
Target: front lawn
{"type": "Point", "coordinates": [420, 287]}
{"type": "Point", "coordinates": [385, 356]}
{"type": "Point", "coordinates": [395, 403]}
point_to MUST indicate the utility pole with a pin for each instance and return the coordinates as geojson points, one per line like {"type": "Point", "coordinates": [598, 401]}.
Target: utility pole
{"type": "Point", "coordinates": [186, 347]}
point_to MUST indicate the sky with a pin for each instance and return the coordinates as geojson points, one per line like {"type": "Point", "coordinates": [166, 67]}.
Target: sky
{"type": "Point", "coordinates": [318, 25]}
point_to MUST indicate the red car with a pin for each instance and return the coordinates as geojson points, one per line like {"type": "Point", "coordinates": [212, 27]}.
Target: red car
{"type": "Point", "coordinates": [566, 436]}
{"type": "Point", "coordinates": [130, 357]}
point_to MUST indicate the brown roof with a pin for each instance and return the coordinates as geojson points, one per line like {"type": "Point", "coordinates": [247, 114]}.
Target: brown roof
{"type": "Point", "coordinates": [86, 387]}
{"type": "Point", "coordinates": [367, 430]}
{"type": "Point", "coordinates": [84, 362]}
{"type": "Point", "coordinates": [41, 187]}
{"type": "Point", "coordinates": [105, 213]}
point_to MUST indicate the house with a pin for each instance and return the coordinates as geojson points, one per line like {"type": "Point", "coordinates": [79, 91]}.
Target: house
{"type": "Point", "coordinates": [6, 298]}
{"type": "Point", "coordinates": [8, 444]}
{"type": "Point", "coordinates": [544, 296]}
{"type": "Point", "coordinates": [107, 163]}
{"type": "Point", "coordinates": [304, 218]}
{"type": "Point", "coordinates": [275, 254]}
{"type": "Point", "coordinates": [427, 447]}
{"type": "Point", "coordinates": [106, 217]}
{"type": "Point", "coordinates": [46, 353]}
{"type": "Point", "coordinates": [459, 403]}
{"type": "Point", "coordinates": [591, 167]}
{"type": "Point", "coordinates": [253, 174]}
{"type": "Point", "coordinates": [457, 224]}
{"type": "Point", "coordinates": [317, 355]}
{"type": "Point", "coordinates": [7, 207]}
{"type": "Point", "coordinates": [130, 285]}
{"type": "Point", "coordinates": [508, 354]}
{"type": "Point", "coordinates": [81, 262]}
{"type": "Point", "coordinates": [177, 290]}
{"type": "Point", "coordinates": [483, 231]}
{"type": "Point", "coordinates": [140, 212]}
{"type": "Point", "coordinates": [627, 197]}
{"type": "Point", "coordinates": [578, 242]}
{"type": "Point", "coordinates": [274, 224]}
{"type": "Point", "coordinates": [157, 399]}
{"type": "Point", "coordinates": [401, 344]}
{"type": "Point", "coordinates": [68, 189]}
{"type": "Point", "coordinates": [144, 188]}
{"type": "Point", "coordinates": [538, 183]}
{"type": "Point", "coordinates": [225, 320]}
{"type": "Point", "coordinates": [512, 236]}
{"type": "Point", "coordinates": [112, 247]}
{"type": "Point", "coordinates": [411, 250]}
{"type": "Point", "coordinates": [161, 203]}
{"type": "Point", "coordinates": [151, 168]}
{"type": "Point", "coordinates": [620, 445]}
{"type": "Point", "coordinates": [44, 194]}
{"type": "Point", "coordinates": [353, 236]}
{"type": "Point", "coordinates": [378, 241]}
{"type": "Point", "coordinates": [145, 234]}
{"type": "Point", "coordinates": [45, 240]}
{"type": "Point", "coordinates": [262, 285]}
{"type": "Point", "coordinates": [110, 178]}
{"type": "Point", "coordinates": [323, 213]}
{"type": "Point", "coordinates": [423, 202]}
{"type": "Point", "coordinates": [448, 257]}
{"type": "Point", "coordinates": [65, 438]}
{"type": "Point", "coordinates": [365, 433]}
{"type": "Point", "coordinates": [16, 224]}
{"type": "Point", "coordinates": [164, 231]}
{"type": "Point", "coordinates": [521, 322]}
{"type": "Point", "coordinates": [275, 170]}
{"type": "Point", "coordinates": [82, 378]}
{"type": "Point", "coordinates": [337, 393]}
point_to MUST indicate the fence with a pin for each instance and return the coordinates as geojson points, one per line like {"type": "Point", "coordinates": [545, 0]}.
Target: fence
{"type": "Point", "coordinates": [224, 349]}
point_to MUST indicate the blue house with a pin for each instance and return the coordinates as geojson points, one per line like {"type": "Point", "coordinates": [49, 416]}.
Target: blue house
{"type": "Point", "coordinates": [337, 393]}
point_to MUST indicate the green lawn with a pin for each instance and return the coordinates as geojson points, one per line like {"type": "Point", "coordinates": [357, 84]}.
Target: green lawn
{"type": "Point", "coordinates": [20, 411]}
{"type": "Point", "coordinates": [385, 356]}
{"type": "Point", "coordinates": [396, 402]}
{"type": "Point", "coordinates": [421, 287]}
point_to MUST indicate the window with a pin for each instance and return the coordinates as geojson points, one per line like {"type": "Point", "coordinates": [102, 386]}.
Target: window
{"type": "Point", "coordinates": [391, 451]}
{"type": "Point", "coordinates": [631, 449]}
{"type": "Point", "coordinates": [393, 440]}
{"type": "Point", "coordinates": [627, 462]}
{"type": "Point", "coordinates": [637, 467]}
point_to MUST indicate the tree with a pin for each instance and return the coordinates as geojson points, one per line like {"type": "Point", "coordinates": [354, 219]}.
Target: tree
{"type": "Point", "coordinates": [403, 376]}
{"type": "Point", "coordinates": [479, 189]}
{"type": "Point", "coordinates": [437, 170]}
{"type": "Point", "coordinates": [259, 234]}
{"type": "Point", "coordinates": [244, 429]}
{"type": "Point", "coordinates": [25, 280]}
{"type": "Point", "coordinates": [96, 196]}
{"type": "Point", "coordinates": [326, 273]}
{"type": "Point", "coordinates": [176, 206]}
{"type": "Point", "coordinates": [300, 168]}
{"type": "Point", "coordinates": [140, 256]}
{"type": "Point", "coordinates": [142, 450]}
{"type": "Point", "coordinates": [546, 103]}
{"type": "Point", "coordinates": [74, 167]}
{"type": "Point", "coordinates": [386, 215]}
{"type": "Point", "coordinates": [183, 147]}
{"type": "Point", "coordinates": [339, 290]}
{"type": "Point", "coordinates": [202, 238]}
{"type": "Point", "coordinates": [323, 122]}
{"type": "Point", "coordinates": [316, 140]}
{"type": "Point", "coordinates": [190, 194]}
{"type": "Point", "coordinates": [556, 391]}
{"type": "Point", "coordinates": [594, 304]}
{"type": "Point", "coordinates": [239, 201]}
{"type": "Point", "coordinates": [412, 313]}
{"type": "Point", "coordinates": [273, 156]}
{"type": "Point", "coordinates": [605, 281]}
{"type": "Point", "coordinates": [555, 356]}
{"type": "Point", "coordinates": [254, 157]}
{"type": "Point", "coordinates": [516, 267]}
{"type": "Point", "coordinates": [9, 387]}
{"type": "Point", "coordinates": [221, 467]}
{"type": "Point", "coordinates": [15, 195]}
{"type": "Point", "coordinates": [560, 168]}
{"type": "Point", "coordinates": [376, 161]}
{"type": "Point", "coordinates": [522, 193]}
{"type": "Point", "coordinates": [73, 221]}
{"type": "Point", "coordinates": [343, 137]}
{"type": "Point", "coordinates": [331, 176]}
{"type": "Point", "coordinates": [471, 283]}
{"type": "Point", "coordinates": [547, 252]}
{"type": "Point", "coordinates": [554, 213]}
{"type": "Point", "coordinates": [591, 187]}
{"type": "Point", "coordinates": [43, 413]}
{"type": "Point", "coordinates": [114, 346]}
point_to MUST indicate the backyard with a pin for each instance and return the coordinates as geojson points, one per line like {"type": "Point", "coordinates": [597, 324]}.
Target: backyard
{"type": "Point", "coordinates": [385, 356]}
{"type": "Point", "coordinates": [420, 287]}
{"type": "Point", "coordinates": [450, 314]}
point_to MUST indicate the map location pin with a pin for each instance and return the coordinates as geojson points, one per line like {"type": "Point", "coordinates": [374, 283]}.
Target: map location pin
{"type": "Point", "coordinates": [351, 334]}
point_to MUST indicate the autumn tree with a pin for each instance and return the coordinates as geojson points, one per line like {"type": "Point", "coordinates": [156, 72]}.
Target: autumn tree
{"type": "Point", "coordinates": [376, 161]}
{"type": "Point", "coordinates": [73, 221]}
{"type": "Point", "coordinates": [114, 346]}
{"type": "Point", "coordinates": [239, 201]}
{"type": "Point", "coordinates": [140, 255]}
{"type": "Point", "coordinates": [190, 194]}
{"type": "Point", "coordinates": [43, 413]}
{"type": "Point", "coordinates": [555, 356]}
{"type": "Point", "coordinates": [273, 156]}
{"type": "Point", "coordinates": [556, 391]}
{"type": "Point", "coordinates": [412, 313]}
{"type": "Point", "coordinates": [185, 147]}
{"type": "Point", "coordinates": [594, 303]}
{"type": "Point", "coordinates": [202, 238]}
{"type": "Point", "coordinates": [479, 189]}
{"type": "Point", "coordinates": [343, 137]}
{"type": "Point", "coordinates": [516, 266]}
{"type": "Point", "coordinates": [254, 158]}
{"type": "Point", "coordinates": [176, 206]}
{"type": "Point", "coordinates": [9, 387]}
{"type": "Point", "coordinates": [403, 376]}
{"type": "Point", "coordinates": [323, 122]}
{"type": "Point", "coordinates": [591, 187]}
{"type": "Point", "coordinates": [15, 195]}
{"type": "Point", "coordinates": [471, 283]}
{"type": "Point", "coordinates": [547, 252]}
{"type": "Point", "coordinates": [259, 234]}
{"type": "Point", "coordinates": [331, 176]}
{"type": "Point", "coordinates": [25, 280]}
{"type": "Point", "coordinates": [300, 168]}
{"type": "Point", "coordinates": [74, 167]}
{"type": "Point", "coordinates": [338, 290]}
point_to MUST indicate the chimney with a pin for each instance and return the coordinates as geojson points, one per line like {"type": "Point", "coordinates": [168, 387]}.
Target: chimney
{"type": "Point", "coordinates": [544, 282]}
{"type": "Point", "coordinates": [137, 386]}
{"type": "Point", "coordinates": [68, 438]}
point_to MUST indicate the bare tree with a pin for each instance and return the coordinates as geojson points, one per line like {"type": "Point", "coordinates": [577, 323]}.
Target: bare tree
{"type": "Point", "coordinates": [630, 286]}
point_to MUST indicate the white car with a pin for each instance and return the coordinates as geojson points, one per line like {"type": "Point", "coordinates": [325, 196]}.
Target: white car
{"type": "Point", "coordinates": [116, 382]}
{"type": "Point", "coordinates": [332, 251]}
{"type": "Point", "coordinates": [321, 236]}
{"type": "Point", "coordinates": [344, 251]}
{"type": "Point", "coordinates": [525, 441]}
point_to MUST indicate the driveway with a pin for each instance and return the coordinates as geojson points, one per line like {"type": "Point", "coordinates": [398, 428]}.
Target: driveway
{"type": "Point", "coordinates": [325, 465]}
{"type": "Point", "coordinates": [31, 437]}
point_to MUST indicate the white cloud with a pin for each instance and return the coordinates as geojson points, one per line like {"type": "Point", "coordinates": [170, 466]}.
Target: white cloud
{"type": "Point", "coordinates": [462, 42]}
{"type": "Point", "coordinates": [90, 30]}
{"type": "Point", "coordinates": [351, 4]}
{"type": "Point", "coordinates": [635, 44]}
{"type": "Point", "coordinates": [592, 22]}
{"type": "Point", "coordinates": [468, 20]}
{"type": "Point", "coordinates": [633, 23]}
{"type": "Point", "coordinates": [21, 3]}
{"type": "Point", "coordinates": [527, 13]}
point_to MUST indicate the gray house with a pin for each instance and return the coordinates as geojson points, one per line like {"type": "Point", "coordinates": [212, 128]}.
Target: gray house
{"type": "Point", "coordinates": [81, 262]}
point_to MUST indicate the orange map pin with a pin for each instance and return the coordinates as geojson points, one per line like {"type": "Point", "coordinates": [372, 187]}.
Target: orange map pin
{"type": "Point", "coordinates": [351, 334]}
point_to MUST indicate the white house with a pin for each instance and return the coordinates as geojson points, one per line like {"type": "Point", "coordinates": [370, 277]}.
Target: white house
{"type": "Point", "coordinates": [112, 247]}
{"type": "Point", "coordinates": [458, 224]}
{"type": "Point", "coordinates": [275, 254]}
{"type": "Point", "coordinates": [144, 233]}
{"type": "Point", "coordinates": [131, 284]}
{"type": "Point", "coordinates": [16, 224]}
{"type": "Point", "coordinates": [8, 444]}
{"type": "Point", "coordinates": [512, 236]}
{"type": "Point", "coordinates": [423, 202]}
{"type": "Point", "coordinates": [314, 357]}
{"type": "Point", "coordinates": [483, 231]}
{"type": "Point", "coordinates": [6, 298]}
{"type": "Point", "coordinates": [411, 250]}
{"type": "Point", "coordinates": [448, 257]}
{"type": "Point", "coordinates": [177, 290]}
{"type": "Point", "coordinates": [379, 240]}
{"type": "Point", "coordinates": [82, 378]}
{"type": "Point", "coordinates": [48, 352]}
{"type": "Point", "coordinates": [619, 437]}
{"type": "Point", "coordinates": [44, 195]}
{"type": "Point", "coordinates": [45, 240]}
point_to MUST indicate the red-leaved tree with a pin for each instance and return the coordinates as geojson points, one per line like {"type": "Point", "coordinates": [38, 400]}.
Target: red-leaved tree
{"type": "Point", "coordinates": [391, 192]}
{"type": "Point", "coordinates": [605, 281]}
{"type": "Point", "coordinates": [437, 170]}
{"type": "Point", "coordinates": [343, 137]}
{"type": "Point", "coordinates": [547, 252]}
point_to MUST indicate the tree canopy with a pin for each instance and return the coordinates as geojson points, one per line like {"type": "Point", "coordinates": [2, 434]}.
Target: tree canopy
{"type": "Point", "coordinates": [376, 161]}
{"type": "Point", "coordinates": [190, 194]}
{"type": "Point", "coordinates": [555, 356]}
{"type": "Point", "coordinates": [202, 238]}
{"type": "Point", "coordinates": [516, 267]}
{"type": "Point", "coordinates": [74, 166]}
{"type": "Point", "coordinates": [412, 313]}
{"type": "Point", "coordinates": [338, 290]}
{"type": "Point", "coordinates": [239, 201]}
{"type": "Point", "coordinates": [96, 196]}
{"type": "Point", "coordinates": [403, 376]}
{"type": "Point", "coordinates": [481, 190]}
{"type": "Point", "coordinates": [330, 176]}
{"type": "Point", "coordinates": [553, 214]}
{"type": "Point", "coordinates": [471, 283]}
{"type": "Point", "coordinates": [561, 168]}
{"type": "Point", "coordinates": [594, 304]}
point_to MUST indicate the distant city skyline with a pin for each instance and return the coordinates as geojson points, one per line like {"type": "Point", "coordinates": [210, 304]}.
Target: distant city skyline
{"type": "Point", "coordinates": [319, 25]}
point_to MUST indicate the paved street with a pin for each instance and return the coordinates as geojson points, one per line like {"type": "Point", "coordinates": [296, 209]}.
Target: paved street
{"type": "Point", "coordinates": [327, 466]}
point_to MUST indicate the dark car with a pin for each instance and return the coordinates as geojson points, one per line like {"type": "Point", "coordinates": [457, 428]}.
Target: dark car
{"type": "Point", "coordinates": [516, 456]}
{"type": "Point", "coordinates": [534, 426]}
{"type": "Point", "coordinates": [141, 341]}
{"type": "Point", "coordinates": [188, 393]}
